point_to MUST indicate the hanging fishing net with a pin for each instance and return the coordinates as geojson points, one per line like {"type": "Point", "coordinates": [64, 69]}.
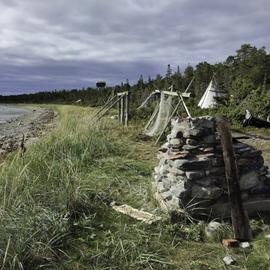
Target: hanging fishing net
{"type": "Point", "coordinates": [160, 116]}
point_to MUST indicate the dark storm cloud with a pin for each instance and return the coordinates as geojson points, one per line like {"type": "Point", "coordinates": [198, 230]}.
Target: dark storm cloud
{"type": "Point", "coordinates": [66, 44]}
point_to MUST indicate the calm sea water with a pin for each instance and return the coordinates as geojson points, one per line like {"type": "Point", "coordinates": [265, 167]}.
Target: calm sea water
{"type": "Point", "coordinates": [8, 113]}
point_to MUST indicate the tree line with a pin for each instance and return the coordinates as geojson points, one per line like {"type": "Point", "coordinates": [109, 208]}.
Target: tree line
{"type": "Point", "coordinates": [244, 77]}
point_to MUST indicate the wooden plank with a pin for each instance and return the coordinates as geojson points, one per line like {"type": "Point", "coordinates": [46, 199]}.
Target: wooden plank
{"type": "Point", "coordinates": [174, 94]}
{"type": "Point", "coordinates": [122, 93]}
{"type": "Point", "coordinates": [239, 216]}
{"type": "Point", "coordinates": [140, 215]}
{"type": "Point", "coordinates": [186, 95]}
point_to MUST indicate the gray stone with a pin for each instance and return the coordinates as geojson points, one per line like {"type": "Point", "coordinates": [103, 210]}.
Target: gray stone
{"type": "Point", "coordinates": [164, 147]}
{"type": "Point", "coordinates": [196, 165]}
{"type": "Point", "coordinates": [188, 147]}
{"type": "Point", "coordinates": [175, 142]}
{"type": "Point", "coordinates": [180, 126]}
{"type": "Point", "coordinates": [194, 132]}
{"type": "Point", "coordinates": [244, 245]}
{"type": "Point", "coordinates": [213, 230]}
{"type": "Point", "coordinates": [195, 175]}
{"type": "Point", "coordinates": [210, 139]}
{"type": "Point", "coordinates": [229, 260]}
{"type": "Point", "coordinates": [179, 163]}
{"type": "Point", "coordinates": [166, 182]}
{"type": "Point", "coordinates": [210, 193]}
{"type": "Point", "coordinates": [172, 177]}
{"type": "Point", "coordinates": [249, 180]}
{"type": "Point", "coordinates": [166, 195]}
{"type": "Point", "coordinates": [192, 142]}
{"type": "Point", "coordinates": [205, 182]}
{"type": "Point", "coordinates": [174, 203]}
{"type": "Point", "coordinates": [169, 136]}
{"type": "Point", "coordinates": [179, 190]}
{"type": "Point", "coordinates": [164, 169]}
{"type": "Point", "coordinates": [177, 172]}
{"type": "Point", "coordinates": [161, 188]}
{"type": "Point", "coordinates": [176, 133]}
{"type": "Point", "coordinates": [157, 177]}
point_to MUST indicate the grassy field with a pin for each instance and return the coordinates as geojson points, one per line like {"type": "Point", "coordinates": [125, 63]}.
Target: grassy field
{"type": "Point", "coordinates": [55, 206]}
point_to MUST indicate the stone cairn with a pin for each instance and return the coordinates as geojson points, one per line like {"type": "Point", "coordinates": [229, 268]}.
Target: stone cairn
{"type": "Point", "coordinates": [191, 171]}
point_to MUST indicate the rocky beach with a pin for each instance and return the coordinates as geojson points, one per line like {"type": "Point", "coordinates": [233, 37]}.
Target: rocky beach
{"type": "Point", "coordinates": [22, 126]}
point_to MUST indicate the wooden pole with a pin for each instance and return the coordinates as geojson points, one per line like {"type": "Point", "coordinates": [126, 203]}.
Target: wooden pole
{"type": "Point", "coordinates": [104, 107]}
{"type": "Point", "coordinates": [122, 109]}
{"type": "Point", "coordinates": [101, 115]}
{"type": "Point", "coordinates": [119, 110]}
{"type": "Point", "coordinates": [239, 216]}
{"type": "Point", "coordinates": [126, 108]}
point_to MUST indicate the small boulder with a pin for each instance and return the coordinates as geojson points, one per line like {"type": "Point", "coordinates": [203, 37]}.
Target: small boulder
{"type": "Point", "coordinates": [213, 230]}
{"type": "Point", "coordinates": [229, 260]}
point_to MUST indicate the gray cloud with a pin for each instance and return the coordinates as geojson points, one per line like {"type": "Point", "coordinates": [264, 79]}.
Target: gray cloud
{"type": "Point", "coordinates": [65, 44]}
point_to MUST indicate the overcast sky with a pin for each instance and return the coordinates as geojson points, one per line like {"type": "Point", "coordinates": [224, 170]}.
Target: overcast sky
{"type": "Point", "coordinates": [55, 44]}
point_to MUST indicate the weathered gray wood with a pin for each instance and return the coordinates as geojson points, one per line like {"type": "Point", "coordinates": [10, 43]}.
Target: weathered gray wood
{"type": "Point", "coordinates": [185, 106]}
{"type": "Point", "coordinates": [239, 216]}
{"type": "Point", "coordinates": [122, 116]}
{"type": "Point", "coordinates": [103, 108]}
{"type": "Point", "coordinates": [126, 108]}
{"type": "Point", "coordinates": [189, 85]}
{"type": "Point", "coordinates": [174, 94]}
{"type": "Point", "coordinates": [122, 93]}
{"type": "Point", "coordinates": [119, 109]}
{"type": "Point", "coordinates": [101, 115]}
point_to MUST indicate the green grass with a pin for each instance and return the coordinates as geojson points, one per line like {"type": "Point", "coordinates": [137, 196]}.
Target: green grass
{"type": "Point", "coordinates": [55, 205]}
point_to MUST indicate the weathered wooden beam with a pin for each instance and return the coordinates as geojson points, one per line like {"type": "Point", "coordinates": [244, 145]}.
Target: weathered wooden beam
{"type": "Point", "coordinates": [126, 109]}
{"type": "Point", "coordinates": [175, 94]}
{"type": "Point", "coordinates": [107, 109]}
{"type": "Point", "coordinates": [239, 216]}
{"type": "Point", "coordinates": [119, 109]}
{"type": "Point", "coordinates": [122, 93]}
{"type": "Point", "coordinates": [186, 95]}
{"type": "Point", "coordinates": [185, 106]}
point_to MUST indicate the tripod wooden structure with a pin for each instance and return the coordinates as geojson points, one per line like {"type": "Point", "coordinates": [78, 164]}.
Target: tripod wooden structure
{"type": "Point", "coordinates": [155, 115]}
{"type": "Point", "coordinates": [122, 101]}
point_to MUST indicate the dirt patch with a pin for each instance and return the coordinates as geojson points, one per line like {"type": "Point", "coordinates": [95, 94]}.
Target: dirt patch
{"type": "Point", "coordinates": [25, 130]}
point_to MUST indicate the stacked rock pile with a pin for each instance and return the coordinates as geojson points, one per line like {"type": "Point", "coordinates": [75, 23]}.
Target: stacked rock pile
{"type": "Point", "coordinates": [191, 167]}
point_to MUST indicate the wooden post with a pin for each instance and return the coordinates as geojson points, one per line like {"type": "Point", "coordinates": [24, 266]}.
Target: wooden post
{"type": "Point", "coordinates": [122, 109]}
{"type": "Point", "coordinates": [126, 108]}
{"type": "Point", "coordinates": [239, 216]}
{"type": "Point", "coordinates": [119, 110]}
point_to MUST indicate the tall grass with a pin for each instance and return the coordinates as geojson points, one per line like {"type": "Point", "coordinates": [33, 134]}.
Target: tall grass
{"type": "Point", "coordinates": [55, 213]}
{"type": "Point", "coordinates": [41, 191]}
